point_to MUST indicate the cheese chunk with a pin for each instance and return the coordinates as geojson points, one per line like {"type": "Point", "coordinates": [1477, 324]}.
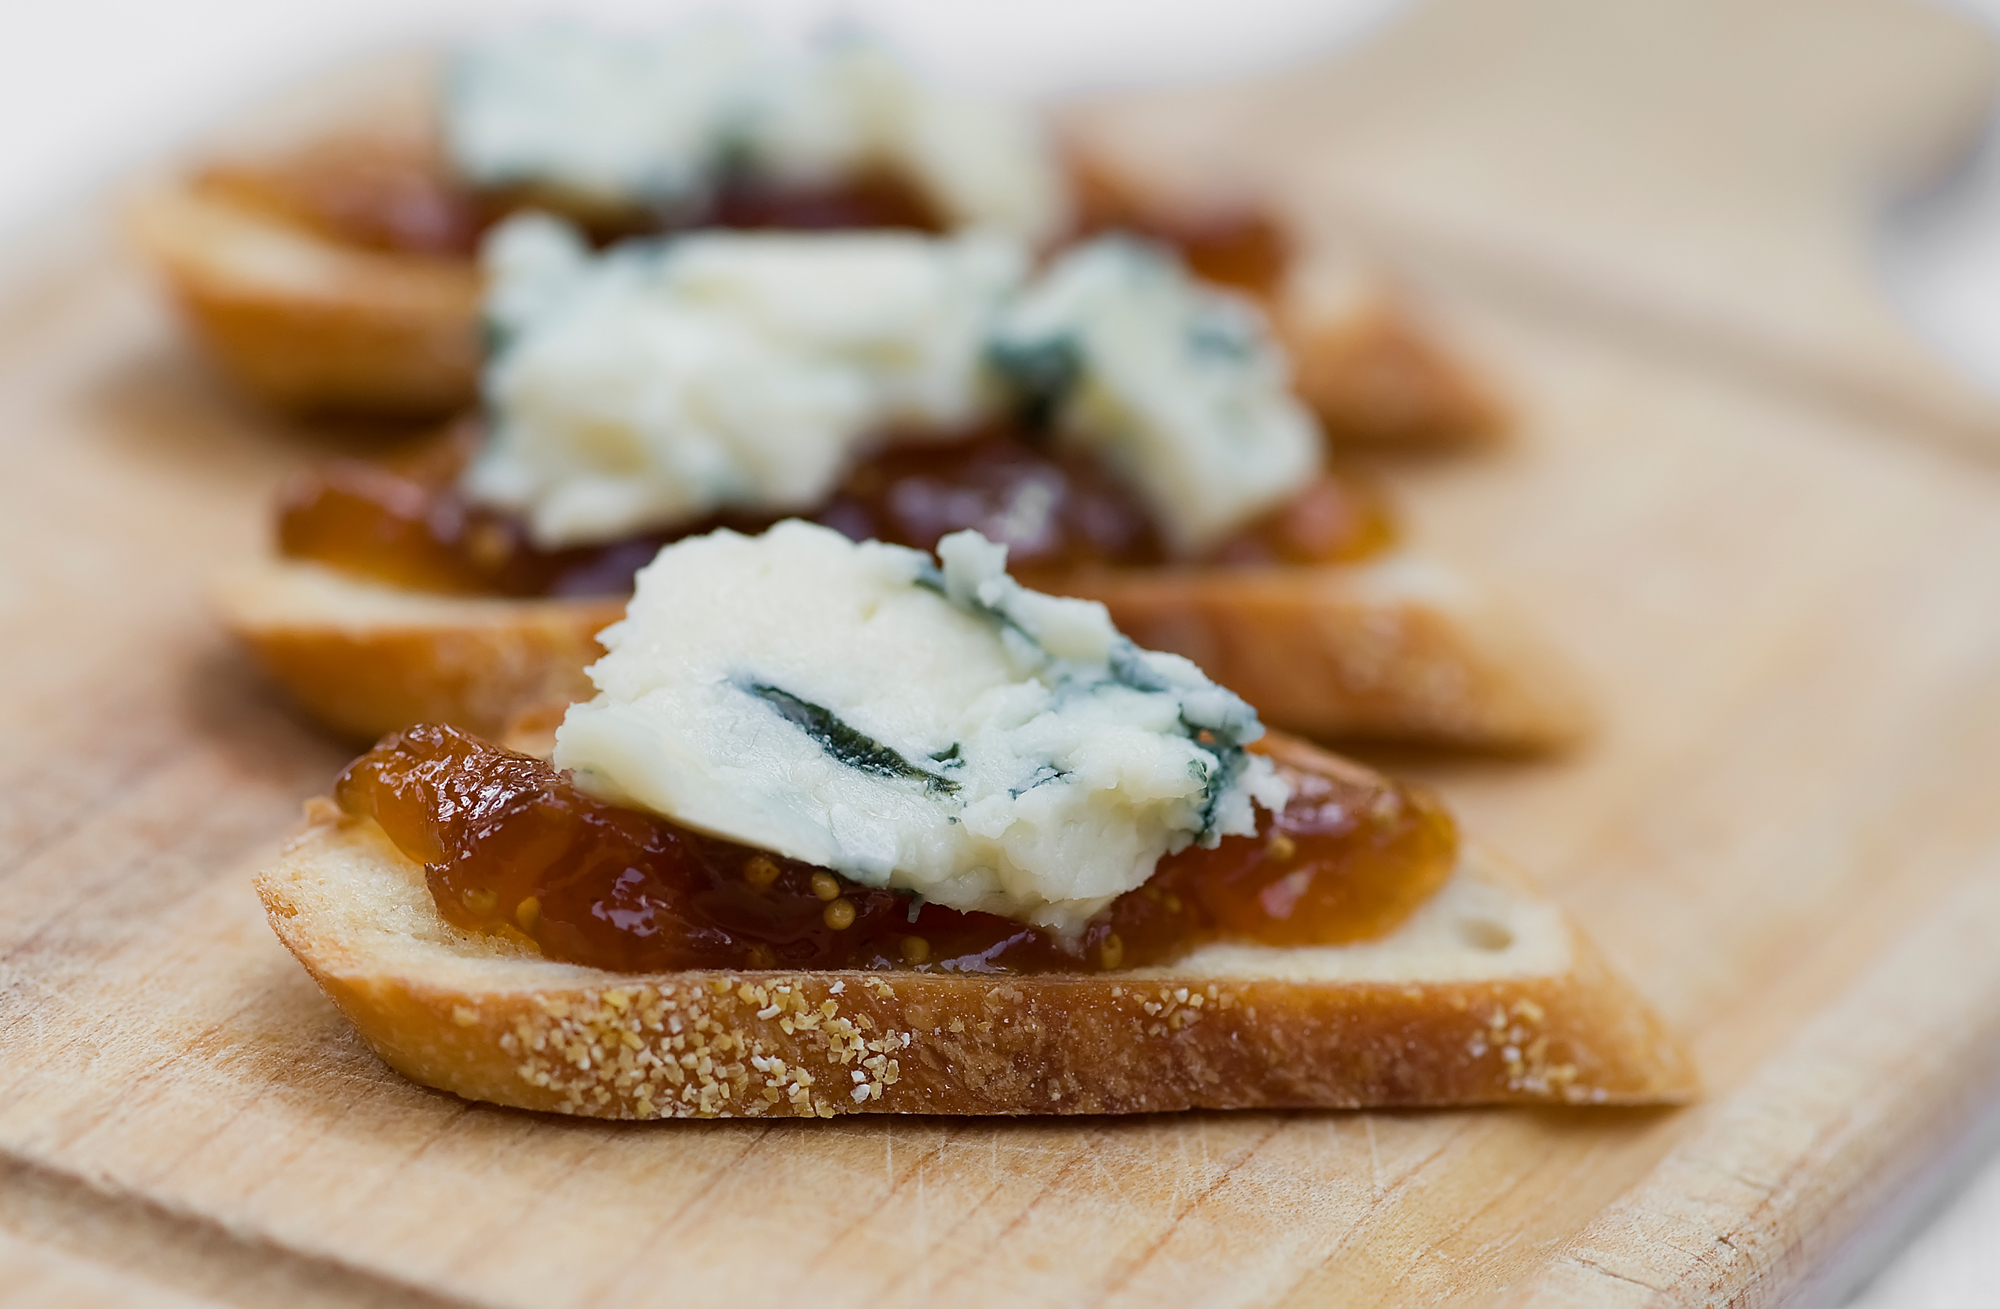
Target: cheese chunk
{"type": "Point", "coordinates": [1175, 384]}
{"type": "Point", "coordinates": [942, 731]}
{"type": "Point", "coordinates": [621, 120]}
{"type": "Point", "coordinates": [667, 380]}
{"type": "Point", "coordinates": [607, 121]}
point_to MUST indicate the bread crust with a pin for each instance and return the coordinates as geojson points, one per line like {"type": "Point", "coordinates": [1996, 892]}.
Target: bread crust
{"type": "Point", "coordinates": [493, 1022]}
{"type": "Point", "coordinates": [1378, 380]}
{"type": "Point", "coordinates": [1398, 648]}
{"type": "Point", "coordinates": [307, 323]}
{"type": "Point", "coordinates": [1362, 358]}
{"type": "Point", "coordinates": [365, 659]}
{"type": "Point", "coordinates": [1394, 649]}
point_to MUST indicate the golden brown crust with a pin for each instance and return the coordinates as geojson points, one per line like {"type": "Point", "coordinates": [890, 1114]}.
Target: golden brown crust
{"type": "Point", "coordinates": [364, 660]}
{"type": "Point", "coordinates": [1362, 360]}
{"type": "Point", "coordinates": [306, 322]}
{"type": "Point", "coordinates": [470, 1016]}
{"type": "Point", "coordinates": [1376, 379]}
{"type": "Point", "coordinates": [1395, 649]}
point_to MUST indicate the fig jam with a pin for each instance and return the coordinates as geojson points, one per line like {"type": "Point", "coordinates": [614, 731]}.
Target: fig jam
{"type": "Point", "coordinates": [404, 522]}
{"type": "Point", "coordinates": [510, 846]}
{"type": "Point", "coordinates": [398, 195]}
{"type": "Point", "coordinates": [1228, 239]}
{"type": "Point", "coordinates": [407, 523]}
{"type": "Point", "coordinates": [378, 194]}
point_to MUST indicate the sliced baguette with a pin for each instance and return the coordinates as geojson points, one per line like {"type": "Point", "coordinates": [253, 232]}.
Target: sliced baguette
{"type": "Point", "coordinates": [364, 659]}
{"type": "Point", "coordinates": [1362, 357]}
{"type": "Point", "coordinates": [1377, 376]}
{"type": "Point", "coordinates": [1488, 994]}
{"type": "Point", "coordinates": [307, 323]}
{"type": "Point", "coordinates": [1397, 648]}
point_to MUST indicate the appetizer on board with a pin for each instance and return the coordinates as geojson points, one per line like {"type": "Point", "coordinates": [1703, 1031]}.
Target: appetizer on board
{"type": "Point", "coordinates": [1126, 429]}
{"type": "Point", "coordinates": [340, 275]}
{"type": "Point", "coordinates": [848, 830]}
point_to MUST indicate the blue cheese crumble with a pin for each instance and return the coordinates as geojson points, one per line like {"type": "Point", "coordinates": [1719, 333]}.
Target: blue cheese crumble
{"type": "Point", "coordinates": [667, 380]}
{"type": "Point", "coordinates": [656, 122]}
{"type": "Point", "coordinates": [664, 381]}
{"type": "Point", "coordinates": [940, 730]}
{"type": "Point", "coordinates": [1175, 384]}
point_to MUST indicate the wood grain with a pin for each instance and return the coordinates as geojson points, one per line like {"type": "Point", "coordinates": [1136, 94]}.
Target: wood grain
{"type": "Point", "coordinates": [1785, 834]}
{"type": "Point", "coordinates": [1703, 173]}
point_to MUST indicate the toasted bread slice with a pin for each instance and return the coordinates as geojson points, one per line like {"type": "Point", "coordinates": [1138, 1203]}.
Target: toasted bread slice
{"type": "Point", "coordinates": [307, 323]}
{"type": "Point", "coordinates": [364, 659]}
{"type": "Point", "coordinates": [1377, 376]}
{"type": "Point", "coordinates": [1397, 648]}
{"type": "Point", "coordinates": [1362, 358]}
{"type": "Point", "coordinates": [1488, 994]}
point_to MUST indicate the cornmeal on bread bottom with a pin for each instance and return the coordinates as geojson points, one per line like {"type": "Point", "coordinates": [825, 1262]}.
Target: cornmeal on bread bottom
{"type": "Point", "coordinates": [1487, 994]}
{"type": "Point", "coordinates": [851, 827]}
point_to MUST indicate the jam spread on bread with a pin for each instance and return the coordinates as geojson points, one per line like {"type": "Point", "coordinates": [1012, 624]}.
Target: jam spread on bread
{"type": "Point", "coordinates": [408, 523]}
{"type": "Point", "coordinates": [1232, 241]}
{"type": "Point", "coordinates": [399, 197]}
{"type": "Point", "coordinates": [510, 845]}
{"type": "Point", "coordinates": [376, 195]}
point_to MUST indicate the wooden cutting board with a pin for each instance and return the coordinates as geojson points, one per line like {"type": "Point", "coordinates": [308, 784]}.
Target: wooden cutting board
{"type": "Point", "coordinates": [1722, 501]}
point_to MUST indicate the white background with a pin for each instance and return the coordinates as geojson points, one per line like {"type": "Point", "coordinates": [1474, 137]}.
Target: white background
{"type": "Point", "coordinates": [92, 88]}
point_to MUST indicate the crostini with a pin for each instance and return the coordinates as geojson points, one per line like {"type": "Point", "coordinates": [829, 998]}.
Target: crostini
{"type": "Point", "coordinates": [1125, 428]}
{"type": "Point", "coordinates": [341, 277]}
{"type": "Point", "coordinates": [846, 831]}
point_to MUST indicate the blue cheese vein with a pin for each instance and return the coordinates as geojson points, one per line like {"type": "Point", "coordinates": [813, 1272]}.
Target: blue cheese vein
{"type": "Point", "coordinates": [936, 729]}
{"type": "Point", "coordinates": [1176, 385]}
